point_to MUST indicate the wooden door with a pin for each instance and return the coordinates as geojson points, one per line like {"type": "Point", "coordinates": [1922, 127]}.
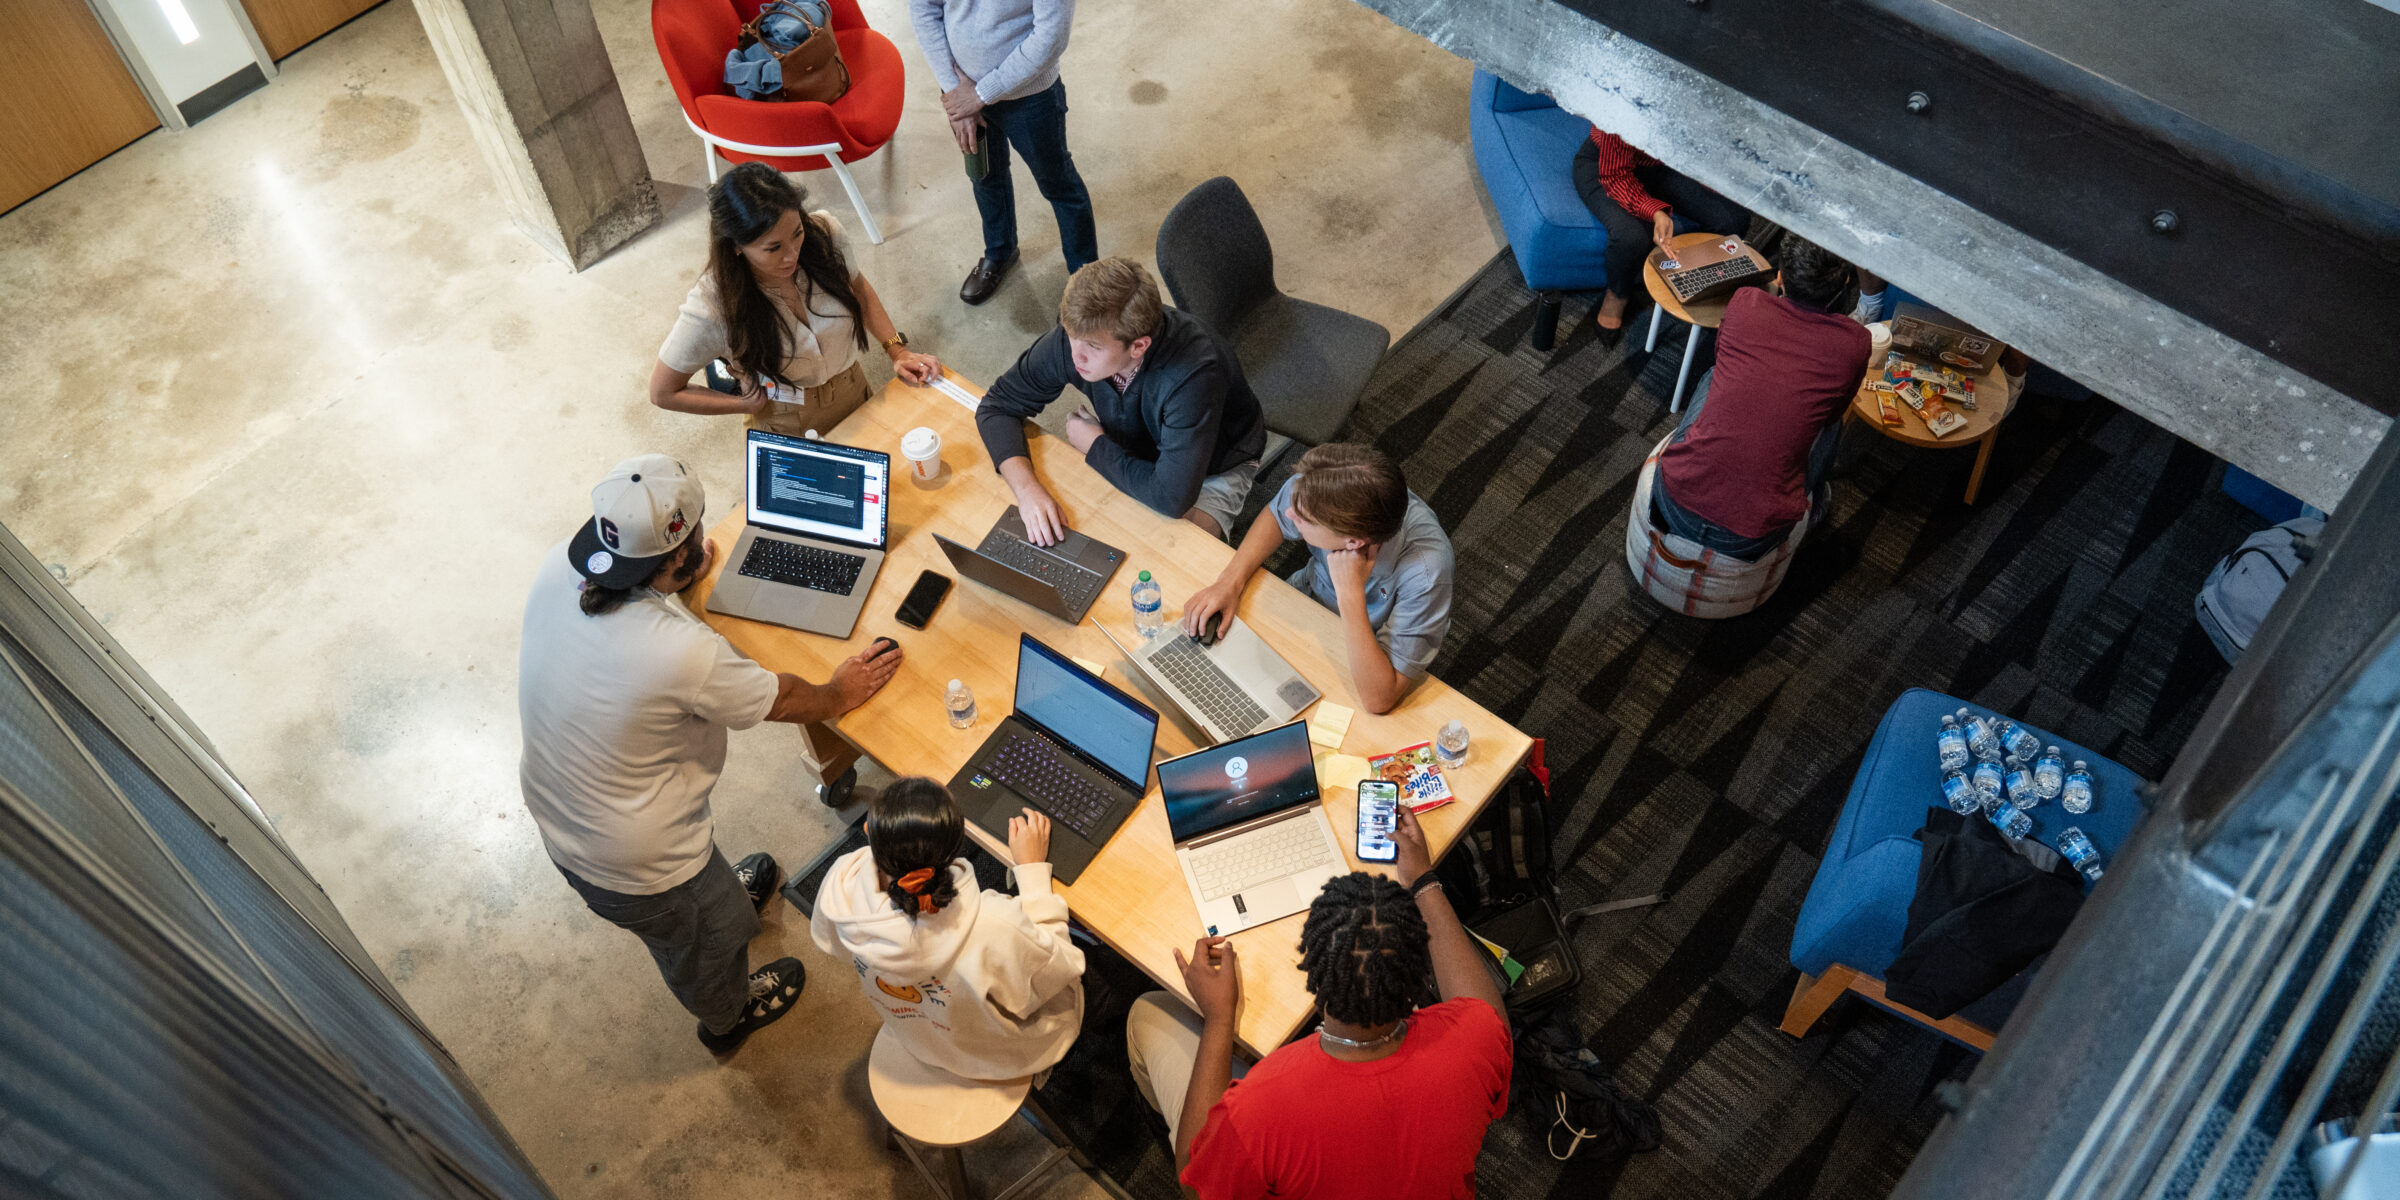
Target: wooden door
{"type": "Point", "coordinates": [287, 25]}
{"type": "Point", "coordinates": [66, 99]}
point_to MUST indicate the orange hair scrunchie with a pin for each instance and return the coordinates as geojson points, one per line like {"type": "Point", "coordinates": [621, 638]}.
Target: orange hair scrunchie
{"type": "Point", "coordinates": [914, 884]}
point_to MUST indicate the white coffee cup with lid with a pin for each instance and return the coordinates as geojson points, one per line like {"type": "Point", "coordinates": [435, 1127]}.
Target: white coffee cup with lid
{"type": "Point", "coordinates": [1879, 339]}
{"type": "Point", "coordinates": [922, 447]}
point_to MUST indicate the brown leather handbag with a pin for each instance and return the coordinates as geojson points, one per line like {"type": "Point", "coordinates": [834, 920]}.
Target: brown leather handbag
{"type": "Point", "coordinates": [812, 70]}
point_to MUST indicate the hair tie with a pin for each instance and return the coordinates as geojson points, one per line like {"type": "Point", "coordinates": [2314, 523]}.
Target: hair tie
{"type": "Point", "coordinates": [914, 884]}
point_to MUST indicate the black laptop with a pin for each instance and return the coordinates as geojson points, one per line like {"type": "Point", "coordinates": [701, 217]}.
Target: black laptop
{"type": "Point", "coordinates": [1075, 748]}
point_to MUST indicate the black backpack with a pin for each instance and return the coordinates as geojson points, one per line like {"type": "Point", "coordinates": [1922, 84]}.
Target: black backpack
{"type": "Point", "coordinates": [1499, 880]}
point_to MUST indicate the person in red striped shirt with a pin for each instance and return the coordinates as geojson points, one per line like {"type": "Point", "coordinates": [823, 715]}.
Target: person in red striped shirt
{"type": "Point", "coordinates": [1640, 201]}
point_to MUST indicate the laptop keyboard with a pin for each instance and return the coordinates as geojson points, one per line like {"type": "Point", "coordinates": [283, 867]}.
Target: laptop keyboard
{"type": "Point", "coordinates": [1208, 687]}
{"type": "Point", "coordinates": [1286, 847]}
{"type": "Point", "coordinates": [1035, 769]}
{"type": "Point", "coordinates": [1697, 282]}
{"type": "Point", "coordinates": [811, 567]}
{"type": "Point", "coordinates": [1076, 583]}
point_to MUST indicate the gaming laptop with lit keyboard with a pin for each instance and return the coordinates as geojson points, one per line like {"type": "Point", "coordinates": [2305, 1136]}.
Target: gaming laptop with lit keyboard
{"type": "Point", "coordinates": [1076, 748]}
{"type": "Point", "coordinates": [816, 518]}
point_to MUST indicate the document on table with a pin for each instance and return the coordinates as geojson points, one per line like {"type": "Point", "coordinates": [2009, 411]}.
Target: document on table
{"type": "Point", "coordinates": [1329, 723]}
{"type": "Point", "coordinates": [946, 386]}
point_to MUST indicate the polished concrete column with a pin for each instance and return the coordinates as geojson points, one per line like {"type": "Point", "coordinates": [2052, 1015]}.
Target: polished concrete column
{"type": "Point", "coordinates": [543, 103]}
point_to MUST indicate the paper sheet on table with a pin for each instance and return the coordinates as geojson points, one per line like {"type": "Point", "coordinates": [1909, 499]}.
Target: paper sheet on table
{"type": "Point", "coordinates": [1088, 665]}
{"type": "Point", "coordinates": [1340, 770]}
{"type": "Point", "coordinates": [1329, 723]}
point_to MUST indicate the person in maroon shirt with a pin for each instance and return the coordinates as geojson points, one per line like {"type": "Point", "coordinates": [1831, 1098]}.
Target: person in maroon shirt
{"type": "Point", "coordinates": [1638, 200]}
{"type": "Point", "coordinates": [1750, 457]}
{"type": "Point", "coordinates": [1387, 1102]}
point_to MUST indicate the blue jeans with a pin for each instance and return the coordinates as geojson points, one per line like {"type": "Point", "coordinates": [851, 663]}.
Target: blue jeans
{"type": "Point", "coordinates": [1683, 523]}
{"type": "Point", "coordinates": [698, 933]}
{"type": "Point", "coordinates": [1037, 126]}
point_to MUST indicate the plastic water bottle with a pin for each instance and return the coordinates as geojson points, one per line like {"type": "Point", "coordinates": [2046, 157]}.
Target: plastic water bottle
{"type": "Point", "coordinates": [2018, 742]}
{"type": "Point", "coordinates": [2011, 820]}
{"type": "Point", "coordinates": [1450, 746]}
{"type": "Point", "coordinates": [1987, 782]}
{"type": "Point", "coordinates": [1959, 793]}
{"type": "Point", "coordinates": [2076, 794]}
{"type": "Point", "coordinates": [2019, 784]}
{"type": "Point", "coordinates": [1149, 614]}
{"type": "Point", "coordinates": [1980, 740]}
{"type": "Point", "coordinates": [2049, 774]}
{"type": "Point", "coordinates": [1951, 745]}
{"type": "Point", "coordinates": [961, 704]}
{"type": "Point", "coordinates": [2080, 851]}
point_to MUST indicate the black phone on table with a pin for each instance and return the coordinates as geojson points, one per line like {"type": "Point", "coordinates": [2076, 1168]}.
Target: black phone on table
{"type": "Point", "coordinates": [922, 599]}
{"type": "Point", "coordinates": [1378, 817]}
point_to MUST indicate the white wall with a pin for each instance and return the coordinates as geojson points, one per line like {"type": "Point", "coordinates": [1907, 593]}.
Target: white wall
{"type": "Point", "coordinates": [184, 70]}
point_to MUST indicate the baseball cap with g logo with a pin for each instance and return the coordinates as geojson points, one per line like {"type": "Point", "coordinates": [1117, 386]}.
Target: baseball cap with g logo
{"type": "Point", "coordinates": [641, 512]}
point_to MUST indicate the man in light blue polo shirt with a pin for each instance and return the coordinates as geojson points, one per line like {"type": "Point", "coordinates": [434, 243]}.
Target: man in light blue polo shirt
{"type": "Point", "coordinates": [1376, 555]}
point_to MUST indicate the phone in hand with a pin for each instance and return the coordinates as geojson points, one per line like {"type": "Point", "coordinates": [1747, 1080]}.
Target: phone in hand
{"type": "Point", "coordinates": [922, 599]}
{"type": "Point", "coordinates": [1378, 816]}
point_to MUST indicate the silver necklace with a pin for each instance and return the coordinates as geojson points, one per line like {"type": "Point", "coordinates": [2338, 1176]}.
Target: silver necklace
{"type": "Point", "coordinates": [1368, 1043]}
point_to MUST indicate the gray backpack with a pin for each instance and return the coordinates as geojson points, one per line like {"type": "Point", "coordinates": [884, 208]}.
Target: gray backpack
{"type": "Point", "coordinates": [2243, 587]}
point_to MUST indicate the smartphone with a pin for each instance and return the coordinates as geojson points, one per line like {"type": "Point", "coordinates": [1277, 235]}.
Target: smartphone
{"type": "Point", "coordinates": [923, 599]}
{"type": "Point", "coordinates": [1378, 813]}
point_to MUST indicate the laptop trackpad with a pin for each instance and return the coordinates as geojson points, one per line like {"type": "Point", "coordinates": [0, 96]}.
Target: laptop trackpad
{"type": "Point", "coordinates": [1268, 900]}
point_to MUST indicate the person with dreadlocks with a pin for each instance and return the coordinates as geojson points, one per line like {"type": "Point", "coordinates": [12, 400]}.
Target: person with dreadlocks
{"type": "Point", "coordinates": [983, 985]}
{"type": "Point", "coordinates": [1388, 1101]}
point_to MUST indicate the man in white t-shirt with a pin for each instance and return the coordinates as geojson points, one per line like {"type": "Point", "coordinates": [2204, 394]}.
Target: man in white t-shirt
{"type": "Point", "coordinates": [625, 696]}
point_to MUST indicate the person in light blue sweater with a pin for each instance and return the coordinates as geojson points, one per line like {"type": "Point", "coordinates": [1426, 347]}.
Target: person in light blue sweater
{"type": "Point", "coordinates": [997, 63]}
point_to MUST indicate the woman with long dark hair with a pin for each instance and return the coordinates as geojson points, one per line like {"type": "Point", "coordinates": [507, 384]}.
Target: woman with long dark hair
{"type": "Point", "coordinates": [780, 318]}
{"type": "Point", "coordinates": [982, 984]}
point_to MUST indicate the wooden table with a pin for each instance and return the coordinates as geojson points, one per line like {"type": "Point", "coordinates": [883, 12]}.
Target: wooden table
{"type": "Point", "coordinates": [1982, 427]}
{"type": "Point", "coordinates": [1700, 314]}
{"type": "Point", "coordinates": [1132, 896]}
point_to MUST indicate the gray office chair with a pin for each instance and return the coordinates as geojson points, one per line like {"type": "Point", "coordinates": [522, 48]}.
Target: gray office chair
{"type": "Point", "coordinates": [1308, 363]}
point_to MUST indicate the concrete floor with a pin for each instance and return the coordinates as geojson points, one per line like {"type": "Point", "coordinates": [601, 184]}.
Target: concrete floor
{"type": "Point", "coordinates": [295, 411]}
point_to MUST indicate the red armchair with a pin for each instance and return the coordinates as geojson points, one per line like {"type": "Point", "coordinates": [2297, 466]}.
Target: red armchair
{"type": "Point", "coordinates": [693, 37]}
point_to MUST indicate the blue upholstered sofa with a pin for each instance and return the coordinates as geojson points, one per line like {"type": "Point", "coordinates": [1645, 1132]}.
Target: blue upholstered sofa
{"type": "Point", "coordinates": [1525, 148]}
{"type": "Point", "coordinates": [1851, 924]}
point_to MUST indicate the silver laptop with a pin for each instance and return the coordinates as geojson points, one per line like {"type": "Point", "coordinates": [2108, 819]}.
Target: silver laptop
{"type": "Point", "coordinates": [1062, 580]}
{"type": "Point", "coordinates": [817, 517]}
{"type": "Point", "coordinates": [1250, 833]}
{"type": "Point", "coordinates": [1237, 686]}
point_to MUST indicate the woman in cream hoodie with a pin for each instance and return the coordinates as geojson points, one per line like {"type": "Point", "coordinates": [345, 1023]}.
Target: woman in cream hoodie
{"type": "Point", "coordinates": [983, 985]}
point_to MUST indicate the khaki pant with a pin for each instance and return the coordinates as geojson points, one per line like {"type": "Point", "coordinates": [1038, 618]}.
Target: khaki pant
{"type": "Point", "coordinates": [828, 404]}
{"type": "Point", "coordinates": [1162, 1045]}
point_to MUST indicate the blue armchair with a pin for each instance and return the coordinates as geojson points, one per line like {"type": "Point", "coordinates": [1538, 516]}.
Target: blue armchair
{"type": "Point", "coordinates": [1525, 147]}
{"type": "Point", "coordinates": [1850, 925]}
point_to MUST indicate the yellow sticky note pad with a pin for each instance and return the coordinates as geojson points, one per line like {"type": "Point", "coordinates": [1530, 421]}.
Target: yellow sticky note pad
{"type": "Point", "coordinates": [1088, 665]}
{"type": "Point", "coordinates": [1329, 723]}
{"type": "Point", "coordinates": [1340, 770]}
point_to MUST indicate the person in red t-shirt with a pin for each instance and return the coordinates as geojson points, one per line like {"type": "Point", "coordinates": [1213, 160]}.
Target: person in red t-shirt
{"type": "Point", "coordinates": [1751, 456]}
{"type": "Point", "coordinates": [1638, 200]}
{"type": "Point", "coordinates": [1387, 1102]}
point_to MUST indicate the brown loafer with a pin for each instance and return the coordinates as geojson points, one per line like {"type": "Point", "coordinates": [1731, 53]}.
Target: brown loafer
{"type": "Point", "coordinates": [985, 279]}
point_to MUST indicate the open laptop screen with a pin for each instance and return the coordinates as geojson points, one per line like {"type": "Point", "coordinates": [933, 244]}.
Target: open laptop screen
{"type": "Point", "coordinates": [818, 489]}
{"type": "Point", "coordinates": [1114, 729]}
{"type": "Point", "coordinates": [1230, 783]}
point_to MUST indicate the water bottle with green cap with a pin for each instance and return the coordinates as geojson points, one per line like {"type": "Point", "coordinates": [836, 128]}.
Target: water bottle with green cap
{"type": "Point", "coordinates": [1149, 606]}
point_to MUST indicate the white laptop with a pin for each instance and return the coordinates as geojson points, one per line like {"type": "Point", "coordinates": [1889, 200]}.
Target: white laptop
{"type": "Point", "coordinates": [1231, 688]}
{"type": "Point", "coordinates": [816, 518]}
{"type": "Point", "coordinates": [1250, 833]}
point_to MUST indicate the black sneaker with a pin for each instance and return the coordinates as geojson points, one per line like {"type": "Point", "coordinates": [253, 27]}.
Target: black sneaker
{"type": "Point", "coordinates": [758, 874]}
{"type": "Point", "coordinates": [773, 988]}
{"type": "Point", "coordinates": [837, 793]}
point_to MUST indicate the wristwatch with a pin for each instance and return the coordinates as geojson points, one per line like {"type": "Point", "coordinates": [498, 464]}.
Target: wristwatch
{"type": "Point", "coordinates": [898, 338]}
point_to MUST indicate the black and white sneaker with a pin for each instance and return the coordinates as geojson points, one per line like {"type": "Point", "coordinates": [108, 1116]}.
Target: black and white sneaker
{"type": "Point", "coordinates": [773, 990]}
{"type": "Point", "coordinates": [836, 793]}
{"type": "Point", "coordinates": [758, 874]}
